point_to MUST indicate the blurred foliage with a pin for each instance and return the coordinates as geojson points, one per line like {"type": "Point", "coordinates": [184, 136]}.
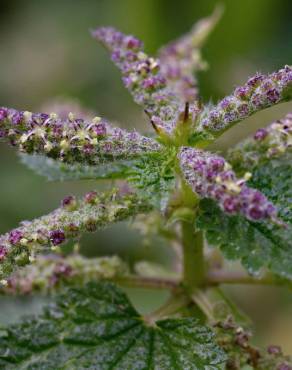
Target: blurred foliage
{"type": "Point", "coordinates": [46, 51]}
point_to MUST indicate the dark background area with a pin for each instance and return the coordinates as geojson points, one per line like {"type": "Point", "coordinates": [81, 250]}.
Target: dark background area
{"type": "Point", "coordinates": [46, 52]}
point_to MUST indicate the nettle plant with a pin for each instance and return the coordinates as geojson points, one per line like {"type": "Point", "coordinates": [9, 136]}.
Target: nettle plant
{"type": "Point", "coordinates": [196, 200]}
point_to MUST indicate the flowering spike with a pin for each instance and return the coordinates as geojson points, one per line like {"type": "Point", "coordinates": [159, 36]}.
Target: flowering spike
{"type": "Point", "coordinates": [50, 272]}
{"type": "Point", "coordinates": [210, 176]}
{"type": "Point", "coordinates": [143, 78]}
{"type": "Point", "coordinates": [259, 92]}
{"type": "Point", "coordinates": [63, 224]}
{"type": "Point", "coordinates": [71, 140]}
{"type": "Point", "coordinates": [267, 143]}
{"type": "Point", "coordinates": [181, 58]}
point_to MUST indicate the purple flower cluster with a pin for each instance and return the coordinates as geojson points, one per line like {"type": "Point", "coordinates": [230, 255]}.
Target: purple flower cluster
{"type": "Point", "coordinates": [181, 58]}
{"type": "Point", "coordinates": [57, 237]}
{"type": "Point", "coordinates": [3, 252]}
{"type": "Point", "coordinates": [210, 176]}
{"type": "Point", "coordinates": [269, 142]}
{"type": "Point", "coordinates": [71, 140]}
{"type": "Point", "coordinates": [275, 139]}
{"type": "Point", "coordinates": [63, 224]}
{"type": "Point", "coordinates": [178, 70]}
{"type": "Point", "coordinates": [51, 272]}
{"type": "Point", "coordinates": [143, 78]}
{"type": "Point", "coordinates": [69, 202]}
{"type": "Point", "coordinates": [259, 92]}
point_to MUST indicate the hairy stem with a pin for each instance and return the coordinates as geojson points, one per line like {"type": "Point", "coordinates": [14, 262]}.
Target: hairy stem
{"type": "Point", "coordinates": [217, 277]}
{"type": "Point", "coordinates": [201, 300]}
{"type": "Point", "coordinates": [172, 306]}
{"type": "Point", "coordinates": [193, 257]}
{"type": "Point", "coordinates": [148, 282]}
{"type": "Point", "coordinates": [197, 277]}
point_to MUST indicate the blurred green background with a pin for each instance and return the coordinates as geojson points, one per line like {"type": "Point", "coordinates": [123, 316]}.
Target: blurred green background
{"type": "Point", "coordinates": [46, 52]}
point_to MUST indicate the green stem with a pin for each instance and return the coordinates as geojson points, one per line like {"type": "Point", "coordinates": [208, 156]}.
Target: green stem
{"type": "Point", "coordinates": [218, 296]}
{"type": "Point", "coordinates": [193, 256]}
{"type": "Point", "coordinates": [171, 307]}
{"type": "Point", "coordinates": [202, 301]}
{"type": "Point", "coordinates": [148, 282]}
{"type": "Point", "coordinates": [217, 277]}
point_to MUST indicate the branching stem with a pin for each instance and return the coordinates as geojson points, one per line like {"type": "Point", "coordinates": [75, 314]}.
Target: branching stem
{"type": "Point", "coordinates": [217, 277]}
{"type": "Point", "coordinates": [172, 306]}
{"type": "Point", "coordinates": [148, 282]}
{"type": "Point", "coordinates": [211, 278]}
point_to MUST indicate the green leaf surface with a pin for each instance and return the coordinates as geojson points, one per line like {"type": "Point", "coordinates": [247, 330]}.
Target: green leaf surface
{"type": "Point", "coordinates": [96, 327]}
{"type": "Point", "coordinates": [154, 177]}
{"type": "Point", "coordinates": [55, 170]}
{"type": "Point", "coordinates": [257, 245]}
{"type": "Point", "coordinates": [274, 179]}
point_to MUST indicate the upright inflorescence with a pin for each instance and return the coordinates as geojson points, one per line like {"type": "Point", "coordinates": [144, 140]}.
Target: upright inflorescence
{"type": "Point", "coordinates": [182, 58]}
{"type": "Point", "coordinates": [177, 61]}
{"type": "Point", "coordinates": [259, 92]}
{"type": "Point", "coordinates": [267, 143]}
{"type": "Point", "coordinates": [68, 222]}
{"type": "Point", "coordinates": [143, 78]}
{"type": "Point", "coordinates": [210, 176]}
{"type": "Point", "coordinates": [71, 140]}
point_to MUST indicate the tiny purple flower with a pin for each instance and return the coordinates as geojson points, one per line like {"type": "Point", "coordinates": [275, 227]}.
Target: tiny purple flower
{"type": "Point", "coordinates": [17, 118]}
{"type": "Point", "coordinates": [243, 110]}
{"type": "Point", "coordinates": [69, 202]}
{"type": "Point", "coordinates": [274, 350]}
{"type": "Point", "coordinates": [57, 237]}
{"type": "Point", "coordinates": [242, 92]}
{"type": "Point", "coordinates": [3, 113]}
{"type": "Point", "coordinates": [132, 42]}
{"type": "Point", "coordinates": [63, 269]}
{"type": "Point", "coordinates": [3, 252]}
{"type": "Point", "coordinates": [284, 366]}
{"type": "Point", "coordinates": [15, 236]}
{"type": "Point", "coordinates": [91, 197]}
{"type": "Point", "coordinates": [261, 134]}
{"type": "Point", "coordinates": [99, 129]}
{"type": "Point", "coordinates": [273, 95]}
{"type": "Point", "coordinates": [255, 80]}
{"type": "Point", "coordinates": [210, 177]}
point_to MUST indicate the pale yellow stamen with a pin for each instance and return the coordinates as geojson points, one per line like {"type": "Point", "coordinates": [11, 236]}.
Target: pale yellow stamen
{"type": "Point", "coordinates": [64, 145]}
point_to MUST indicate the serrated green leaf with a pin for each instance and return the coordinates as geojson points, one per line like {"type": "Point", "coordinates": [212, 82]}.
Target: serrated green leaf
{"type": "Point", "coordinates": [274, 179]}
{"type": "Point", "coordinates": [257, 245]}
{"type": "Point", "coordinates": [154, 176]}
{"type": "Point", "coordinates": [200, 138]}
{"type": "Point", "coordinates": [55, 170]}
{"type": "Point", "coordinates": [96, 327]}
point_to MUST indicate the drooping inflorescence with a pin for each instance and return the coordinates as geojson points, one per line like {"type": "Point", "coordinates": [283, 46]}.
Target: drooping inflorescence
{"type": "Point", "coordinates": [70, 221]}
{"type": "Point", "coordinates": [210, 176]}
{"type": "Point", "coordinates": [142, 76]}
{"type": "Point", "coordinates": [71, 140]}
{"type": "Point", "coordinates": [259, 92]}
